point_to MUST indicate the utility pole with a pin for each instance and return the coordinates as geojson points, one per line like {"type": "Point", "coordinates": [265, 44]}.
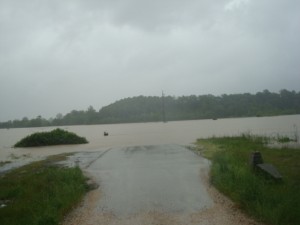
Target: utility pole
{"type": "Point", "coordinates": [163, 108]}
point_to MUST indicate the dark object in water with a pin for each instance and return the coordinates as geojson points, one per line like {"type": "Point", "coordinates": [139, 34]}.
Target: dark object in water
{"type": "Point", "coordinates": [105, 133]}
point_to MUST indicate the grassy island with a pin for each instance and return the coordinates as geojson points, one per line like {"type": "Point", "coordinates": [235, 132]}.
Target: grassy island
{"type": "Point", "coordinates": [54, 137]}
{"type": "Point", "coordinates": [269, 201]}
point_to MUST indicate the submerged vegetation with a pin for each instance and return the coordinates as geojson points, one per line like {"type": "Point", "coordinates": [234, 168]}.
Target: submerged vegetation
{"type": "Point", "coordinates": [149, 109]}
{"type": "Point", "coordinates": [286, 139]}
{"type": "Point", "coordinates": [269, 201]}
{"type": "Point", "coordinates": [54, 137]}
{"type": "Point", "coordinates": [40, 193]}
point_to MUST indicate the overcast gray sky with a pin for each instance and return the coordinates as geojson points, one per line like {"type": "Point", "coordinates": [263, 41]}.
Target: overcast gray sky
{"type": "Point", "coordinates": [56, 56]}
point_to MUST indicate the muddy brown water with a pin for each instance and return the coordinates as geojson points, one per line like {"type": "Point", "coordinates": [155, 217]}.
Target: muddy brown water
{"type": "Point", "coordinates": [138, 134]}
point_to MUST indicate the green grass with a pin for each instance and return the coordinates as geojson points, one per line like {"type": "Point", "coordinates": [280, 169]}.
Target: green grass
{"type": "Point", "coordinates": [284, 139]}
{"type": "Point", "coordinates": [55, 137]}
{"type": "Point", "coordinates": [40, 193]}
{"type": "Point", "coordinates": [267, 200]}
{"type": "Point", "coordinates": [2, 163]}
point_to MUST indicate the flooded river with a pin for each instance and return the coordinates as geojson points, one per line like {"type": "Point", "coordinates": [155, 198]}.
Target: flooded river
{"type": "Point", "coordinates": [145, 175]}
{"type": "Point", "coordinates": [178, 132]}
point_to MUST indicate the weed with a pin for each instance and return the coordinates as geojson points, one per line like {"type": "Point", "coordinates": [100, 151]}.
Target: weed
{"type": "Point", "coordinates": [274, 203]}
{"type": "Point", "coordinates": [14, 156]}
{"type": "Point", "coordinates": [2, 163]}
{"type": "Point", "coordinates": [40, 193]}
{"type": "Point", "coordinates": [284, 139]}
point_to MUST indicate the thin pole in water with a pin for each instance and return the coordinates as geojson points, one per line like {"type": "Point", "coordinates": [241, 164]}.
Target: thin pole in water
{"type": "Point", "coordinates": [163, 107]}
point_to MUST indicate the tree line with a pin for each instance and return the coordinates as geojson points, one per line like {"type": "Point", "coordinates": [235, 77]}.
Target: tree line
{"type": "Point", "coordinates": [151, 109]}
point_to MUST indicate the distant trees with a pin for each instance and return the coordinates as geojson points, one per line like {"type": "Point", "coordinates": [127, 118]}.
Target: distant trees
{"type": "Point", "coordinates": [136, 109]}
{"type": "Point", "coordinates": [146, 109]}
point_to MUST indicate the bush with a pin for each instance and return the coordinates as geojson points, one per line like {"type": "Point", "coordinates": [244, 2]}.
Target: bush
{"type": "Point", "coordinates": [55, 137]}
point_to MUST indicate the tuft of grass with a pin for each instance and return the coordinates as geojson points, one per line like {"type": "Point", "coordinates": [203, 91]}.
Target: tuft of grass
{"type": "Point", "coordinates": [2, 163]}
{"type": "Point", "coordinates": [267, 200]}
{"type": "Point", "coordinates": [206, 148]}
{"type": "Point", "coordinates": [54, 137]}
{"type": "Point", "coordinates": [40, 193]}
{"type": "Point", "coordinates": [284, 139]}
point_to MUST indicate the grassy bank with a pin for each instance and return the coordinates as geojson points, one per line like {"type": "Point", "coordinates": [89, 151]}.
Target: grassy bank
{"type": "Point", "coordinates": [54, 137]}
{"type": "Point", "coordinates": [39, 193]}
{"type": "Point", "coordinates": [269, 201]}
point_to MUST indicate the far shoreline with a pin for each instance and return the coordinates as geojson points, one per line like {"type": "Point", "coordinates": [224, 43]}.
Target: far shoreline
{"type": "Point", "coordinates": [149, 122]}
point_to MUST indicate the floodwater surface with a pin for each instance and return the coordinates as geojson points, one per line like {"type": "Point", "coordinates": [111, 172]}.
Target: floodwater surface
{"type": "Point", "coordinates": [158, 184]}
{"type": "Point", "coordinates": [141, 179]}
{"type": "Point", "coordinates": [141, 134]}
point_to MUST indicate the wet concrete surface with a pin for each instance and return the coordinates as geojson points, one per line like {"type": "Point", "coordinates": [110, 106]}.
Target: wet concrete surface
{"type": "Point", "coordinates": [163, 178]}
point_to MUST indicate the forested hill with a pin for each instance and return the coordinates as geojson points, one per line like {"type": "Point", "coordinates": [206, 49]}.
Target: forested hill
{"type": "Point", "coordinates": [202, 107]}
{"type": "Point", "coordinates": [146, 109]}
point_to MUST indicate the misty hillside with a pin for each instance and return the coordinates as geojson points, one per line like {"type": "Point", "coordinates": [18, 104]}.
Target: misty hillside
{"type": "Point", "coordinates": [201, 107]}
{"type": "Point", "coordinates": [147, 109]}
{"type": "Point", "coordinates": [133, 109]}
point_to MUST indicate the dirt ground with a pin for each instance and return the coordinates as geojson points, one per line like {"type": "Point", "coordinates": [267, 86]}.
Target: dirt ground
{"type": "Point", "coordinates": [223, 212]}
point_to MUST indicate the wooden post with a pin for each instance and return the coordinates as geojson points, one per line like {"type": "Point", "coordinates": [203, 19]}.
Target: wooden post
{"type": "Point", "coordinates": [255, 159]}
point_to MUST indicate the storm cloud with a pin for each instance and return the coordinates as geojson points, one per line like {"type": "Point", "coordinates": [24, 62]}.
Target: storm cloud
{"type": "Point", "coordinates": [56, 56]}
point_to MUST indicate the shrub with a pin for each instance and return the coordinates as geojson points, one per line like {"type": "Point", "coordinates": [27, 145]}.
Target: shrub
{"type": "Point", "coordinates": [55, 137]}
